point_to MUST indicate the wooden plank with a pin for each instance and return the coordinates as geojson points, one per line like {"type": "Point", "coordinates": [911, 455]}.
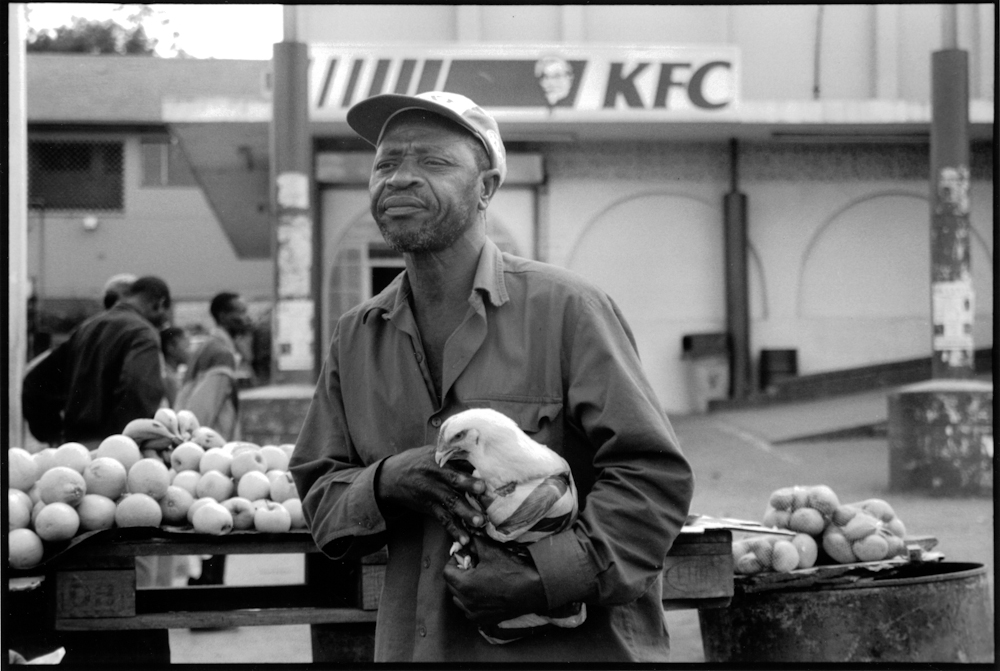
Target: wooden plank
{"type": "Point", "coordinates": [228, 597]}
{"type": "Point", "coordinates": [95, 594]}
{"type": "Point", "coordinates": [225, 618]}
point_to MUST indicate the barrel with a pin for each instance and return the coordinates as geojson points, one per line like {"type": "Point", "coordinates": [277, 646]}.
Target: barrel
{"type": "Point", "coordinates": [926, 612]}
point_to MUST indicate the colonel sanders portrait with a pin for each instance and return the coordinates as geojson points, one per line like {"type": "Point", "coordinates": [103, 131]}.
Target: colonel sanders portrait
{"type": "Point", "coordinates": [555, 76]}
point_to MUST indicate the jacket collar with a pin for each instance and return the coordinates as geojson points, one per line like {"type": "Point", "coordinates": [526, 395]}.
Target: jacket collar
{"type": "Point", "coordinates": [488, 281]}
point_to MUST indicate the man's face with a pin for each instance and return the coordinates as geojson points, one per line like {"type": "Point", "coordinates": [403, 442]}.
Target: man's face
{"type": "Point", "coordinates": [425, 184]}
{"type": "Point", "coordinates": [158, 313]}
{"type": "Point", "coordinates": [556, 81]}
{"type": "Point", "coordinates": [236, 320]}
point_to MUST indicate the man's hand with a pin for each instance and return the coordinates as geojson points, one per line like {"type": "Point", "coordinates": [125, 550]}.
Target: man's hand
{"type": "Point", "coordinates": [500, 586]}
{"type": "Point", "coordinates": [413, 480]}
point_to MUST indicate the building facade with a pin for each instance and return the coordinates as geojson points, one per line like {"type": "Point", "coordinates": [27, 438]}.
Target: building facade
{"type": "Point", "coordinates": [626, 127]}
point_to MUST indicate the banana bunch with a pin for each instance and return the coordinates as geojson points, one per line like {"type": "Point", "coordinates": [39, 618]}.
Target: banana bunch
{"type": "Point", "coordinates": [151, 434]}
{"type": "Point", "coordinates": [157, 437]}
{"type": "Point", "coordinates": [774, 553]}
{"type": "Point", "coordinates": [864, 531]}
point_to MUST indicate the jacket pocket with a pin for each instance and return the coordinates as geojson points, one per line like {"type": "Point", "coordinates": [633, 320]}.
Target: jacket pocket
{"type": "Point", "coordinates": [541, 419]}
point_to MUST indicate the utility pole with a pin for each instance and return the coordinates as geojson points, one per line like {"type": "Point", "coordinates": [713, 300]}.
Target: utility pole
{"type": "Point", "coordinates": [941, 431]}
{"type": "Point", "coordinates": [952, 298]}
{"type": "Point", "coordinates": [293, 356]}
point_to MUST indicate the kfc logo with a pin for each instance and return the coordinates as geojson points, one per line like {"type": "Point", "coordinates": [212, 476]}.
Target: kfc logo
{"type": "Point", "coordinates": [555, 76]}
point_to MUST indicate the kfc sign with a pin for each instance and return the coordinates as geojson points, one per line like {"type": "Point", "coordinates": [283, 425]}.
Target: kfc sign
{"type": "Point", "coordinates": [528, 83]}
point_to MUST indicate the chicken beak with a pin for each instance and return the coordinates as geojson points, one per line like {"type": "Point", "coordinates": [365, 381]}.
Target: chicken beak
{"type": "Point", "coordinates": [445, 453]}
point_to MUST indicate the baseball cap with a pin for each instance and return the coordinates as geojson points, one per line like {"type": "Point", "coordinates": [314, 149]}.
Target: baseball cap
{"type": "Point", "coordinates": [369, 117]}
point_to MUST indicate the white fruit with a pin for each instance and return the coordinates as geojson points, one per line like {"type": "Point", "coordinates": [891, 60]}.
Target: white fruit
{"type": "Point", "coordinates": [149, 476]}
{"type": "Point", "coordinates": [272, 518]}
{"type": "Point", "coordinates": [18, 509]}
{"type": "Point", "coordinates": [786, 557]}
{"type": "Point", "coordinates": [24, 549]}
{"type": "Point", "coordinates": [106, 476]}
{"type": "Point", "coordinates": [207, 437]}
{"type": "Point", "coordinates": [294, 507]}
{"type": "Point", "coordinates": [45, 459]}
{"type": "Point", "coordinates": [212, 518]}
{"type": "Point", "coordinates": [215, 459]}
{"type": "Point", "coordinates": [214, 484]}
{"type": "Point", "coordinates": [235, 447]}
{"type": "Point", "coordinates": [242, 511]}
{"type": "Point", "coordinates": [253, 485]}
{"type": "Point", "coordinates": [72, 455]}
{"type": "Point", "coordinates": [57, 522]}
{"type": "Point", "coordinates": [198, 503]}
{"type": "Point", "coordinates": [61, 484]}
{"type": "Point", "coordinates": [120, 447]}
{"type": "Point", "coordinates": [175, 504]}
{"type": "Point", "coordinates": [187, 457]}
{"type": "Point", "coordinates": [276, 458]}
{"type": "Point", "coordinates": [138, 510]}
{"type": "Point", "coordinates": [22, 470]}
{"type": "Point", "coordinates": [283, 487]}
{"type": "Point", "coordinates": [96, 512]}
{"type": "Point", "coordinates": [187, 480]}
{"type": "Point", "coordinates": [247, 461]}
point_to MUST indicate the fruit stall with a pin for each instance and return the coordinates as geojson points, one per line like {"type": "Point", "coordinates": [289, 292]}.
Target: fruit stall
{"type": "Point", "coordinates": [81, 521]}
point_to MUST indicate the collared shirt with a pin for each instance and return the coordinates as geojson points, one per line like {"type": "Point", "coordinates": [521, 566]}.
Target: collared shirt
{"type": "Point", "coordinates": [554, 353]}
{"type": "Point", "coordinates": [113, 373]}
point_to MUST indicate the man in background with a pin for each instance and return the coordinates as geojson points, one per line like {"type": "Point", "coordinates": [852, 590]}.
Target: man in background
{"type": "Point", "coordinates": [210, 390]}
{"type": "Point", "coordinates": [108, 372]}
{"type": "Point", "coordinates": [116, 287]}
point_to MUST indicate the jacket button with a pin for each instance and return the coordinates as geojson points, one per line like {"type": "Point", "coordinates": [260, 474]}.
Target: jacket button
{"type": "Point", "coordinates": [422, 631]}
{"type": "Point", "coordinates": [436, 422]}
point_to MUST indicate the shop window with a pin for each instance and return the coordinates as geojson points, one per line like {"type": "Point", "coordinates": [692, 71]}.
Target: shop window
{"type": "Point", "coordinates": [76, 175]}
{"type": "Point", "coordinates": [163, 164]}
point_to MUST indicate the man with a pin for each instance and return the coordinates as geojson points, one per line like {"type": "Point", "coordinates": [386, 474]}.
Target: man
{"type": "Point", "coordinates": [43, 394]}
{"type": "Point", "coordinates": [174, 345]}
{"type": "Point", "coordinates": [112, 364]}
{"type": "Point", "coordinates": [209, 388]}
{"type": "Point", "coordinates": [116, 287]}
{"type": "Point", "coordinates": [467, 326]}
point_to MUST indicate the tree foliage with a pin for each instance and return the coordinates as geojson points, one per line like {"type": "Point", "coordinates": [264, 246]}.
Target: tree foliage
{"type": "Point", "coordinates": [85, 36]}
{"type": "Point", "coordinates": [126, 36]}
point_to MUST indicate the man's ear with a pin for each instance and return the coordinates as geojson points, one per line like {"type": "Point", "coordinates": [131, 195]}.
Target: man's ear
{"type": "Point", "coordinates": [491, 182]}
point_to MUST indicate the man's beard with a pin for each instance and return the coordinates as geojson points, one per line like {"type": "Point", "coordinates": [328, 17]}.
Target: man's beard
{"type": "Point", "coordinates": [432, 235]}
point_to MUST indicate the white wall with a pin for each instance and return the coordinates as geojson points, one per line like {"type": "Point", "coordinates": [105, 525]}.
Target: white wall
{"type": "Point", "coordinates": [167, 231]}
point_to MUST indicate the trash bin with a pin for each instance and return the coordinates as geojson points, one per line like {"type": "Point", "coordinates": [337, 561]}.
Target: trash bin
{"type": "Point", "coordinates": [777, 365]}
{"type": "Point", "coordinates": [923, 613]}
{"type": "Point", "coordinates": [707, 358]}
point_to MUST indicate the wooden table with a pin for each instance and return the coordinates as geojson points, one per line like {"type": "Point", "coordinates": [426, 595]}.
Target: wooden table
{"type": "Point", "coordinates": [87, 600]}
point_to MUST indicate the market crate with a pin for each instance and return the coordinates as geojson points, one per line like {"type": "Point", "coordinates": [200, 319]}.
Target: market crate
{"type": "Point", "coordinates": [698, 570]}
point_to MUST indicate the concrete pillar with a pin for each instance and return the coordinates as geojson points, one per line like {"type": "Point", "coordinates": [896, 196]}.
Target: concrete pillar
{"type": "Point", "coordinates": [737, 282]}
{"type": "Point", "coordinates": [941, 438]}
{"type": "Point", "coordinates": [941, 431]}
{"type": "Point", "coordinates": [17, 223]}
{"type": "Point", "coordinates": [293, 355]}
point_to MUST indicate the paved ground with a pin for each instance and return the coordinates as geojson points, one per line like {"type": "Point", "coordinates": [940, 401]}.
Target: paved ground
{"type": "Point", "coordinates": [736, 466]}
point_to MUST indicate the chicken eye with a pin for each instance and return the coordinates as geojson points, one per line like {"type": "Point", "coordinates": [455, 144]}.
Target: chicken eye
{"type": "Point", "coordinates": [461, 434]}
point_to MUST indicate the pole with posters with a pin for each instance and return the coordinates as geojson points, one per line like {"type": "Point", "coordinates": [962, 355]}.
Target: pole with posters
{"type": "Point", "coordinates": [293, 358]}
{"type": "Point", "coordinates": [941, 431]}
{"type": "Point", "coordinates": [17, 227]}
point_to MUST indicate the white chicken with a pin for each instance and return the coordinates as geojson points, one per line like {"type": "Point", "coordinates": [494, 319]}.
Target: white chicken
{"type": "Point", "coordinates": [529, 495]}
